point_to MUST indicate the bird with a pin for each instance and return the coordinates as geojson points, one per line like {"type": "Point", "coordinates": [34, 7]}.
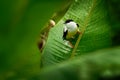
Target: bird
{"type": "Point", "coordinates": [70, 29]}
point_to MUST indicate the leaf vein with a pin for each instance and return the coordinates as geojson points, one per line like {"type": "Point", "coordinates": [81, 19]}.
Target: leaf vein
{"type": "Point", "coordinates": [83, 30]}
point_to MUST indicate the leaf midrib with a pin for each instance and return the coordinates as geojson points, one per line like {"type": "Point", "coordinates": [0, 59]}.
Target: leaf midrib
{"type": "Point", "coordinates": [83, 30]}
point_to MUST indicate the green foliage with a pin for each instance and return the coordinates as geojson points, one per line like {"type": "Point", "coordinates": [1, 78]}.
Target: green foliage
{"type": "Point", "coordinates": [20, 26]}
{"type": "Point", "coordinates": [96, 34]}
{"type": "Point", "coordinates": [92, 58]}
{"type": "Point", "coordinates": [115, 19]}
{"type": "Point", "coordinates": [94, 26]}
{"type": "Point", "coordinates": [98, 65]}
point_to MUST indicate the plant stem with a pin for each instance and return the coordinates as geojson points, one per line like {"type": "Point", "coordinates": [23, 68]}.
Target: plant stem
{"type": "Point", "coordinates": [83, 30]}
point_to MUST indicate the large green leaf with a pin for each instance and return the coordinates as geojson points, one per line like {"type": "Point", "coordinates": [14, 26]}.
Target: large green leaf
{"type": "Point", "coordinates": [92, 16]}
{"type": "Point", "coordinates": [98, 65]}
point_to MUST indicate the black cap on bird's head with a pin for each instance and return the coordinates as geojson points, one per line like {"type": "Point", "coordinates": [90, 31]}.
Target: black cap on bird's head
{"type": "Point", "coordinates": [68, 20]}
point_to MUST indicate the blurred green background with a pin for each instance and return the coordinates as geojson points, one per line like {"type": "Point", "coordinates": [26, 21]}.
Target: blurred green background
{"type": "Point", "coordinates": [21, 22]}
{"type": "Point", "coordinates": [114, 11]}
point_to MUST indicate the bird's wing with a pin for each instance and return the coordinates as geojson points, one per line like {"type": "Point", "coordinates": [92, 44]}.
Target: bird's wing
{"type": "Point", "coordinates": [65, 31]}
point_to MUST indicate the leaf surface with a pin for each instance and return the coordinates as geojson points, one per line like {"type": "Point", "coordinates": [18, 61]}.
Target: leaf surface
{"type": "Point", "coordinates": [99, 65]}
{"type": "Point", "coordinates": [92, 16]}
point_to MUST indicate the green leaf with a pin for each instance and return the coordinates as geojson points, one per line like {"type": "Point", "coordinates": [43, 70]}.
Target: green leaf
{"type": "Point", "coordinates": [98, 65]}
{"type": "Point", "coordinates": [92, 16]}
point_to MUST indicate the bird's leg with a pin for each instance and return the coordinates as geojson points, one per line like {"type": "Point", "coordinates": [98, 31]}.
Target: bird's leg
{"type": "Point", "coordinates": [73, 37]}
{"type": "Point", "coordinates": [71, 45]}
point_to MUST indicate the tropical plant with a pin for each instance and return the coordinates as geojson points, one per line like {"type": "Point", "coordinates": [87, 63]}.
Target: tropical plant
{"type": "Point", "coordinates": [95, 55]}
